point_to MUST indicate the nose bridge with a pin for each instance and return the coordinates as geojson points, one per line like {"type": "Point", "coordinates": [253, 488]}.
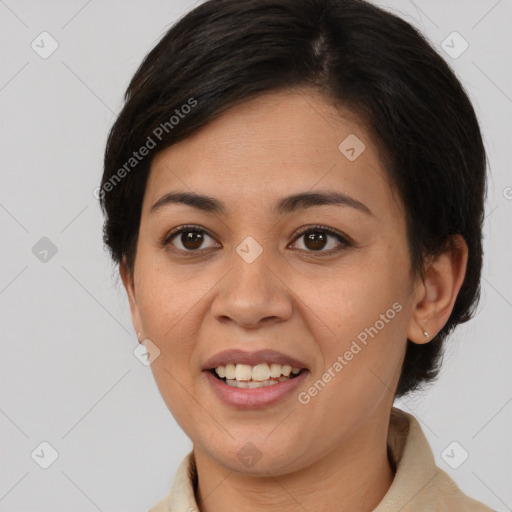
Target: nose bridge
{"type": "Point", "coordinates": [252, 292]}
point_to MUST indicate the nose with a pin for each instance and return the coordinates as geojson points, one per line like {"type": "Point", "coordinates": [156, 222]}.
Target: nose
{"type": "Point", "coordinates": [252, 294]}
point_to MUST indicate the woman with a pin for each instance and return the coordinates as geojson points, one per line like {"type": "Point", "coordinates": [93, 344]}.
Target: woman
{"type": "Point", "coordinates": [294, 192]}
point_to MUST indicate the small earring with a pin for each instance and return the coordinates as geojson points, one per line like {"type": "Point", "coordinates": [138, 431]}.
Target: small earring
{"type": "Point", "coordinates": [425, 333]}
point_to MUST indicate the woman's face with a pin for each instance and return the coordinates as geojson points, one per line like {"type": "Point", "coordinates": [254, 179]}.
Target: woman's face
{"type": "Point", "coordinates": [342, 307]}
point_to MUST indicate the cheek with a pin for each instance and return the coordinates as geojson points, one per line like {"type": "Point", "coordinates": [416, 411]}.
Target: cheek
{"type": "Point", "coordinates": [169, 309]}
{"type": "Point", "coordinates": [164, 297]}
{"type": "Point", "coordinates": [360, 317]}
{"type": "Point", "coordinates": [362, 337]}
{"type": "Point", "coordinates": [347, 301]}
{"type": "Point", "coordinates": [173, 306]}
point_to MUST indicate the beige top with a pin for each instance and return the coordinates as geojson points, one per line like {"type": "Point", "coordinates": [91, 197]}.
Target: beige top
{"type": "Point", "coordinates": [419, 485]}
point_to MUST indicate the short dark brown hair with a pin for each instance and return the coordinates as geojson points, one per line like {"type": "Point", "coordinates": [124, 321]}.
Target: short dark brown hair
{"type": "Point", "coordinates": [360, 56]}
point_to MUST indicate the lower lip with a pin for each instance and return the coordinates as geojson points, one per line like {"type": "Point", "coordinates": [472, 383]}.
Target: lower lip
{"type": "Point", "coordinates": [245, 398]}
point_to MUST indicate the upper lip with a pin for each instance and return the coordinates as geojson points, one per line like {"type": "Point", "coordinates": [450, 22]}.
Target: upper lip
{"type": "Point", "coordinates": [236, 356]}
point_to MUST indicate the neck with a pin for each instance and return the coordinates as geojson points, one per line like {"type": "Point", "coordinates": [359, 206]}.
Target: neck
{"type": "Point", "coordinates": [353, 476]}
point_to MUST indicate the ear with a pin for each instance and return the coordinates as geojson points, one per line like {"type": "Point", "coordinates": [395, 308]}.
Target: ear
{"type": "Point", "coordinates": [129, 285]}
{"type": "Point", "coordinates": [436, 294]}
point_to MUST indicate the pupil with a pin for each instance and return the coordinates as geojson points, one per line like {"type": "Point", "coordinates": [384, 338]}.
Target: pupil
{"type": "Point", "coordinates": [192, 239]}
{"type": "Point", "coordinates": [315, 240]}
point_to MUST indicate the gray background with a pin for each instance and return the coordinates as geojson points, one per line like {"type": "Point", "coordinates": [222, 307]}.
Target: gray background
{"type": "Point", "coordinates": [68, 375]}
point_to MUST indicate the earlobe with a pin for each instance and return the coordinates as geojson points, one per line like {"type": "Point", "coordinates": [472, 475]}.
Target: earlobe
{"type": "Point", "coordinates": [441, 284]}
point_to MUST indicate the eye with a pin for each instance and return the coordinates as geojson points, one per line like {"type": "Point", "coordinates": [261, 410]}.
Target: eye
{"type": "Point", "coordinates": [316, 239]}
{"type": "Point", "coordinates": [191, 239]}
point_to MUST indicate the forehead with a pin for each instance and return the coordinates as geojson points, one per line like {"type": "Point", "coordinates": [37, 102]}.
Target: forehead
{"type": "Point", "coordinates": [274, 145]}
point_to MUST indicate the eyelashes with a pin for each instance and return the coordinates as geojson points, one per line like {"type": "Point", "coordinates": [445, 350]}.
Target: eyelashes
{"type": "Point", "coordinates": [318, 229]}
{"type": "Point", "coordinates": [317, 234]}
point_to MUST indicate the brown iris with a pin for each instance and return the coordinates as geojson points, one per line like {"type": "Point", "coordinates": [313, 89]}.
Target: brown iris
{"type": "Point", "coordinates": [315, 240]}
{"type": "Point", "coordinates": [194, 238]}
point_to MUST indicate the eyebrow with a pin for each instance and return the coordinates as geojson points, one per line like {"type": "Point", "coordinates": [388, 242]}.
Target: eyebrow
{"type": "Point", "coordinates": [284, 206]}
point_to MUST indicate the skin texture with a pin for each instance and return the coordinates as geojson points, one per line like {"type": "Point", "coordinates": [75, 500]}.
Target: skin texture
{"type": "Point", "coordinates": [329, 454]}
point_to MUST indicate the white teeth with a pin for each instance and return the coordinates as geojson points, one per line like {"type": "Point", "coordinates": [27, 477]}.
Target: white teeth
{"type": "Point", "coordinates": [251, 384]}
{"type": "Point", "coordinates": [230, 371]}
{"type": "Point", "coordinates": [221, 371]}
{"type": "Point", "coordinates": [259, 373]}
{"type": "Point", "coordinates": [243, 372]}
{"type": "Point", "coordinates": [275, 370]}
{"type": "Point", "coordinates": [285, 370]}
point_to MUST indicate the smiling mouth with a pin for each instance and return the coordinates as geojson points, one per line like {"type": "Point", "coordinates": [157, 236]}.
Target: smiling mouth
{"type": "Point", "coordinates": [251, 384]}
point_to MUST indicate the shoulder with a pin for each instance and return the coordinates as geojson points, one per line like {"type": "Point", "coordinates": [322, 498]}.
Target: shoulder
{"type": "Point", "coordinates": [451, 498]}
{"type": "Point", "coordinates": [181, 498]}
{"type": "Point", "coordinates": [419, 483]}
